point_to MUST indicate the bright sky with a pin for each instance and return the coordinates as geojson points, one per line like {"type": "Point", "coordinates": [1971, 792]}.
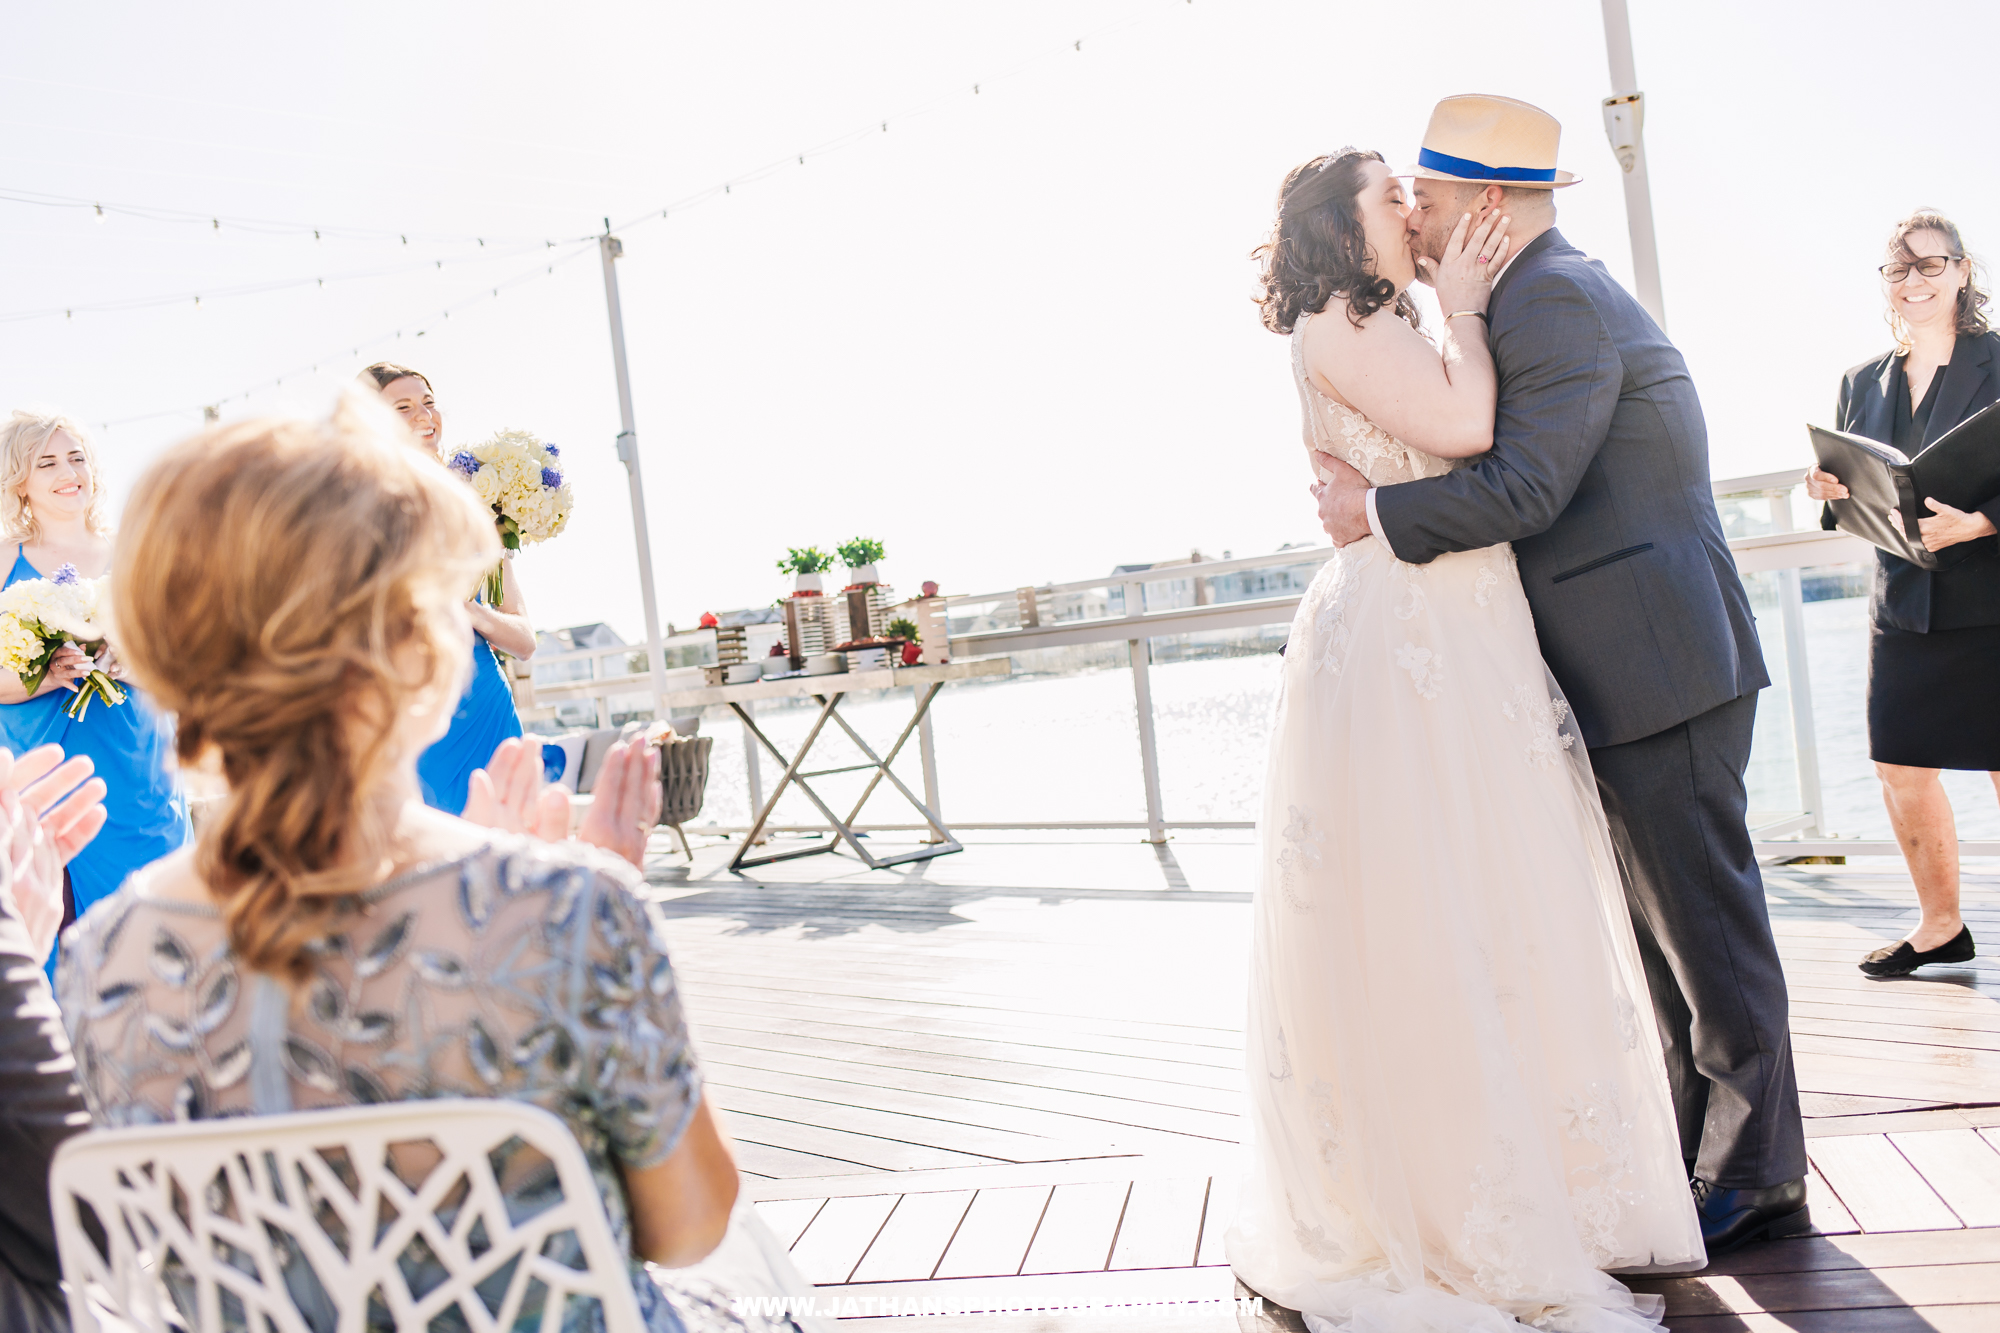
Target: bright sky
{"type": "Point", "coordinates": [1011, 336]}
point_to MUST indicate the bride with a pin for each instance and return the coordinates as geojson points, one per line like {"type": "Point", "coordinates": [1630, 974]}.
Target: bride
{"type": "Point", "coordinates": [1458, 1109]}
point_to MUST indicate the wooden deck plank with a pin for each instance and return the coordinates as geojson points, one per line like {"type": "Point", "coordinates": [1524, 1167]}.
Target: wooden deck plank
{"type": "Point", "coordinates": [1878, 1185]}
{"type": "Point", "coordinates": [1028, 1122]}
{"type": "Point", "coordinates": [914, 1238]}
{"type": "Point", "coordinates": [1962, 1167]}
{"type": "Point", "coordinates": [1077, 1230]}
{"type": "Point", "coordinates": [839, 1235]}
{"type": "Point", "coordinates": [863, 1150]}
{"type": "Point", "coordinates": [1162, 1224]}
{"type": "Point", "coordinates": [1216, 1217]}
{"type": "Point", "coordinates": [788, 1218]}
{"type": "Point", "coordinates": [876, 1122]}
{"type": "Point", "coordinates": [1885, 1249]}
{"type": "Point", "coordinates": [1841, 1289]}
{"type": "Point", "coordinates": [1897, 1319]}
{"type": "Point", "coordinates": [1829, 1215]}
{"type": "Point", "coordinates": [993, 1239]}
{"type": "Point", "coordinates": [1186, 1124]}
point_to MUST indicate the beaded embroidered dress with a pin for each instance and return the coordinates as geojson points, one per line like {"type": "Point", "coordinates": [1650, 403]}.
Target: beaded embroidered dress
{"type": "Point", "coordinates": [525, 971]}
{"type": "Point", "coordinates": [1458, 1106]}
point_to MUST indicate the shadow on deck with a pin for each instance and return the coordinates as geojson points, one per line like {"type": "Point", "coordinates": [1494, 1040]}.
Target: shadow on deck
{"type": "Point", "coordinates": [1010, 1079]}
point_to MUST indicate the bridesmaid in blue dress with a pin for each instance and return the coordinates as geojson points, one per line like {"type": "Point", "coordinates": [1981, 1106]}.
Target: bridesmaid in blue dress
{"type": "Point", "coordinates": [52, 514]}
{"type": "Point", "coordinates": [485, 715]}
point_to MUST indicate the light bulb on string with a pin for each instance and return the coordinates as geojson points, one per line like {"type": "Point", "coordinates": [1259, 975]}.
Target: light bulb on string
{"type": "Point", "coordinates": [99, 219]}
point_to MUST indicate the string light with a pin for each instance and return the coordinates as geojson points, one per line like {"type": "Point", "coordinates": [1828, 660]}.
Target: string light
{"type": "Point", "coordinates": [587, 246]}
{"type": "Point", "coordinates": [318, 282]}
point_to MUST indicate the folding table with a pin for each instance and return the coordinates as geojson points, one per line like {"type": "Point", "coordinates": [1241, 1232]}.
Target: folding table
{"type": "Point", "coordinates": [828, 691]}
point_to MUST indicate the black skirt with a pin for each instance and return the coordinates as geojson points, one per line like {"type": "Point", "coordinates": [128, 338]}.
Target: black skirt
{"type": "Point", "coordinates": [1932, 701]}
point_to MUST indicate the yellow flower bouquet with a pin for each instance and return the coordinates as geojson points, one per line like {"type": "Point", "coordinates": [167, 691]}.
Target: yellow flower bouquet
{"type": "Point", "coordinates": [38, 616]}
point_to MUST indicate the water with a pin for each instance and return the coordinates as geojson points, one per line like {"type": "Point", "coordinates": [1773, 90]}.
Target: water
{"type": "Point", "coordinates": [1065, 747]}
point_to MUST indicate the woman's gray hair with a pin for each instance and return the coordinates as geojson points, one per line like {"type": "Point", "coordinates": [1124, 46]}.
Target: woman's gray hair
{"type": "Point", "coordinates": [21, 442]}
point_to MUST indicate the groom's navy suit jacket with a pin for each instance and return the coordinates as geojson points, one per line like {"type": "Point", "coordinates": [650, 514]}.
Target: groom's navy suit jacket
{"type": "Point", "coordinates": [1599, 476]}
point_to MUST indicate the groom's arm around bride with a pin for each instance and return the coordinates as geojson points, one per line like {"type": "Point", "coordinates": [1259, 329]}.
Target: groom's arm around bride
{"type": "Point", "coordinates": [1599, 476]}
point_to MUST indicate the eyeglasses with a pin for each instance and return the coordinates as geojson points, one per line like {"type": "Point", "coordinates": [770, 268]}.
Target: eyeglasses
{"type": "Point", "coordinates": [1930, 266]}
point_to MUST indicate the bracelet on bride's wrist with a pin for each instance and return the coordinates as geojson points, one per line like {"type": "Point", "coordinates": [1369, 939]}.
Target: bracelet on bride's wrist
{"type": "Point", "coordinates": [1479, 315]}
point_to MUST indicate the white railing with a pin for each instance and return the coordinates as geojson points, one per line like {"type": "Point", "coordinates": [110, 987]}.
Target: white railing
{"type": "Point", "coordinates": [1115, 608]}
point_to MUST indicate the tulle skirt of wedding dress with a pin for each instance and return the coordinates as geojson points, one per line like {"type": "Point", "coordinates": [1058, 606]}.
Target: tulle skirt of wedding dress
{"type": "Point", "coordinates": [1459, 1111]}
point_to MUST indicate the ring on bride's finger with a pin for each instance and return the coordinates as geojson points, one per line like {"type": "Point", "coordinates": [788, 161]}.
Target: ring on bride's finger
{"type": "Point", "coordinates": [1485, 259]}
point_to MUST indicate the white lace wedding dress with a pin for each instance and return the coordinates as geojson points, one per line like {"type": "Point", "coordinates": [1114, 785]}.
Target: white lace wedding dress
{"type": "Point", "coordinates": [1458, 1108]}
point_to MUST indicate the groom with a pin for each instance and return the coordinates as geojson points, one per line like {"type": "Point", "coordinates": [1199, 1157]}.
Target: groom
{"type": "Point", "coordinates": [1599, 477]}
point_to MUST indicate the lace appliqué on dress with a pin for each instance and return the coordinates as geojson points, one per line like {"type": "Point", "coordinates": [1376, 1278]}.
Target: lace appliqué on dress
{"type": "Point", "coordinates": [1299, 858]}
{"type": "Point", "coordinates": [1595, 1116]}
{"type": "Point", "coordinates": [1426, 668]}
{"type": "Point", "coordinates": [1498, 1223]}
{"type": "Point", "coordinates": [1330, 630]}
{"type": "Point", "coordinates": [1546, 738]}
{"type": "Point", "coordinates": [1415, 599]}
{"type": "Point", "coordinates": [1482, 586]}
{"type": "Point", "coordinates": [1327, 1127]}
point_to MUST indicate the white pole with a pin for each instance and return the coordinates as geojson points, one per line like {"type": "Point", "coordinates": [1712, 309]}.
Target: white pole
{"type": "Point", "coordinates": [610, 248]}
{"type": "Point", "coordinates": [1624, 124]}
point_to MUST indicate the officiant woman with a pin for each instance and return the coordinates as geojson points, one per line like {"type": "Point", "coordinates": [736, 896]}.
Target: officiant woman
{"type": "Point", "coordinates": [485, 715]}
{"type": "Point", "coordinates": [1934, 643]}
{"type": "Point", "coordinates": [52, 510]}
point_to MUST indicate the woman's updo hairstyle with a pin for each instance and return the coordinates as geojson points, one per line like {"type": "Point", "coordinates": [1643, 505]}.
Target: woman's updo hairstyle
{"type": "Point", "coordinates": [1318, 249]}
{"type": "Point", "coordinates": [1972, 297]}
{"type": "Point", "coordinates": [287, 588]}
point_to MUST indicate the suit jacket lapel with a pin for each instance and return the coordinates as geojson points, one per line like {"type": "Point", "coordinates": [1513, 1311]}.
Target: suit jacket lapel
{"type": "Point", "coordinates": [1875, 414]}
{"type": "Point", "coordinates": [1546, 241]}
{"type": "Point", "coordinates": [1963, 375]}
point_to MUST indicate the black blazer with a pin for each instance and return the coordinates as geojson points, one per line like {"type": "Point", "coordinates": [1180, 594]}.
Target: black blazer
{"type": "Point", "coordinates": [1907, 596]}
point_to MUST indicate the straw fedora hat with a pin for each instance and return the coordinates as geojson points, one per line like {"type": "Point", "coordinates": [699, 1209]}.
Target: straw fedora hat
{"type": "Point", "coordinates": [1484, 140]}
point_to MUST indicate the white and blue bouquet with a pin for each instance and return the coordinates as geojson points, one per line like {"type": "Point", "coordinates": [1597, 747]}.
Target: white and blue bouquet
{"type": "Point", "coordinates": [521, 478]}
{"type": "Point", "coordinates": [38, 616]}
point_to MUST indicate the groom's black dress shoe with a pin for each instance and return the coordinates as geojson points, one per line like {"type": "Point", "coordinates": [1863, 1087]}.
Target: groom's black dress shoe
{"type": "Point", "coordinates": [1899, 959]}
{"type": "Point", "coordinates": [1731, 1218]}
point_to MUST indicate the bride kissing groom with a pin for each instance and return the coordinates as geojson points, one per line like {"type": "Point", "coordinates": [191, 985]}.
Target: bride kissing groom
{"type": "Point", "coordinates": [1505, 805]}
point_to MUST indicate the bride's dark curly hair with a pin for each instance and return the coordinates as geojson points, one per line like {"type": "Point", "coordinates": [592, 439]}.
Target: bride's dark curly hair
{"type": "Point", "coordinates": [1318, 250]}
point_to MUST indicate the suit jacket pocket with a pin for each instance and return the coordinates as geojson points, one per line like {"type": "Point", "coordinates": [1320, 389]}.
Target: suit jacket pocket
{"type": "Point", "coordinates": [1602, 561]}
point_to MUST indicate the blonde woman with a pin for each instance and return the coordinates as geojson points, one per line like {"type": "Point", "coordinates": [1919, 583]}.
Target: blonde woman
{"type": "Point", "coordinates": [295, 592]}
{"type": "Point", "coordinates": [52, 508]}
{"type": "Point", "coordinates": [485, 714]}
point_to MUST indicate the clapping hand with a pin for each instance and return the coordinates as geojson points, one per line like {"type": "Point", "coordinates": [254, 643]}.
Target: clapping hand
{"type": "Point", "coordinates": [1949, 527]}
{"type": "Point", "coordinates": [625, 800]}
{"type": "Point", "coordinates": [509, 794]}
{"type": "Point", "coordinates": [50, 809]}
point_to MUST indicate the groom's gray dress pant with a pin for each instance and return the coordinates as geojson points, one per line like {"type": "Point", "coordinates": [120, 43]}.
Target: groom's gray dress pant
{"type": "Point", "coordinates": [1676, 804]}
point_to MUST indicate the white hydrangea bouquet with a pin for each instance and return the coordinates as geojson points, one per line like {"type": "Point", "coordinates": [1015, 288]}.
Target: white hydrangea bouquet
{"type": "Point", "coordinates": [521, 478]}
{"type": "Point", "coordinates": [38, 616]}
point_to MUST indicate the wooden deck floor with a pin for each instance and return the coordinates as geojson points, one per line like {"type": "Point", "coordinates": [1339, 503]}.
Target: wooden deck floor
{"type": "Point", "coordinates": [1010, 1078]}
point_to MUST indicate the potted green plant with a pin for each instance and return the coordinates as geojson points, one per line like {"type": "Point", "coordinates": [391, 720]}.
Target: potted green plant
{"type": "Point", "coordinates": [860, 555]}
{"type": "Point", "coordinates": [808, 563]}
{"type": "Point", "coordinates": [903, 629]}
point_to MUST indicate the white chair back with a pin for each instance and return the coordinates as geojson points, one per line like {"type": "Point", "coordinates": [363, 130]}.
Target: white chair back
{"type": "Point", "coordinates": [336, 1221]}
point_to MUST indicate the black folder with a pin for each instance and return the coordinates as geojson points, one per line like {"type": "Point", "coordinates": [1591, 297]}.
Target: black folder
{"type": "Point", "coordinates": [1960, 468]}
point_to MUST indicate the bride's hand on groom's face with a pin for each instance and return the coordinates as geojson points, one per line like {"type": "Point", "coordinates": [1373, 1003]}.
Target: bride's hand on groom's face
{"type": "Point", "coordinates": [1343, 505]}
{"type": "Point", "coordinates": [1464, 277]}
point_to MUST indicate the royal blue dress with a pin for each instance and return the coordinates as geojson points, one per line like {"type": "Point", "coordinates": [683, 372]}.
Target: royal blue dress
{"type": "Point", "coordinates": [146, 813]}
{"type": "Point", "coordinates": [485, 717]}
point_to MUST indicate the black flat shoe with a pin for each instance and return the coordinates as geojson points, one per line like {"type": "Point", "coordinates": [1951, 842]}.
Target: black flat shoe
{"type": "Point", "coordinates": [1899, 959]}
{"type": "Point", "coordinates": [1733, 1218]}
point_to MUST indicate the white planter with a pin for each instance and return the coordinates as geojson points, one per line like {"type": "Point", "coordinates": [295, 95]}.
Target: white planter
{"type": "Point", "coordinates": [810, 583]}
{"type": "Point", "coordinates": [863, 574]}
